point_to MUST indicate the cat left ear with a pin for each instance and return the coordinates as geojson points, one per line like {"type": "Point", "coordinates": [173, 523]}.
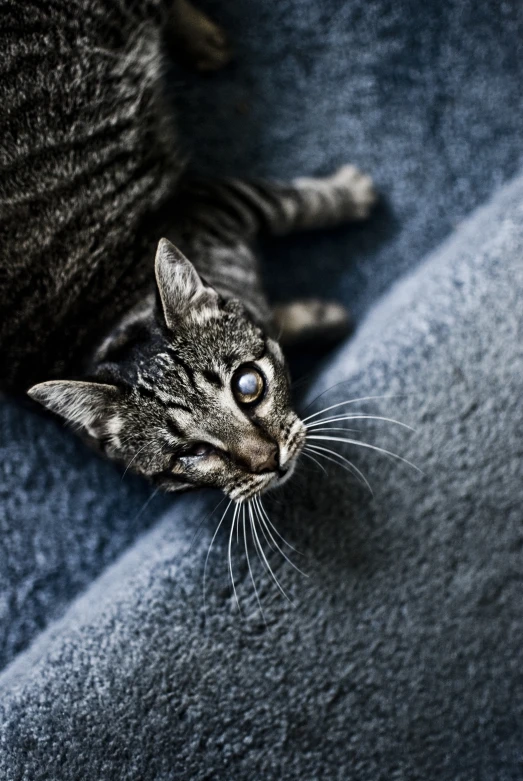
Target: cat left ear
{"type": "Point", "coordinates": [180, 286]}
{"type": "Point", "coordinates": [85, 404]}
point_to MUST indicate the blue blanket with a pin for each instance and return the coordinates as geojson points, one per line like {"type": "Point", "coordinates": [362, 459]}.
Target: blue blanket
{"type": "Point", "coordinates": [401, 655]}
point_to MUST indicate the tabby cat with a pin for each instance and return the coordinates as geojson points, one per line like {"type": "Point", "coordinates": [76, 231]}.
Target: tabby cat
{"type": "Point", "coordinates": [172, 368]}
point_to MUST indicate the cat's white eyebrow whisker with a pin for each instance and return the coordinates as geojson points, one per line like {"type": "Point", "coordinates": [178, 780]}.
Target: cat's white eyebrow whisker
{"type": "Point", "coordinates": [278, 547]}
{"type": "Point", "coordinates": [275, 530]}
{"type": "Point", "coordinates": [210, 547]}
{"type": "Point", "coordinates": [247, 555]}
{"type": "Point", "coordinates": [234, 521]}
{"type": "Point", "coordinates": [370, 447]}
{"type": "Point", "coordinates": [358, 417]}
{"type": "Point", "coordinates": [351, 401]}
{"type": "Point", "coordinates": [268, 566]}
{"type": "Point", "coordinates": [344, 462]}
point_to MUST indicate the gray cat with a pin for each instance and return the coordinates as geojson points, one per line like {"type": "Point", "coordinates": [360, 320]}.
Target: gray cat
{"type": "Point", "coordinates": [177, 369]}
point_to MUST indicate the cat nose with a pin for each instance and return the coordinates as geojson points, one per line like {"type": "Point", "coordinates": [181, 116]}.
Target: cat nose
{"type": "Point", "coordinates": [263, 458]}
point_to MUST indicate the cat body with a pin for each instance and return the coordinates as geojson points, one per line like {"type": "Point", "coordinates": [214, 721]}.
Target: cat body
{"type": "Point", "coordinates": [171, 366]}
{"type": "Point", "coordinates": [88, 158]}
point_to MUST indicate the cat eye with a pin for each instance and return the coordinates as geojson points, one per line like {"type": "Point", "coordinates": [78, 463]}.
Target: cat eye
{"type": "Point", "coordinates": [248, 385]}
{"type": "Point", "coordinates": [197, 450]}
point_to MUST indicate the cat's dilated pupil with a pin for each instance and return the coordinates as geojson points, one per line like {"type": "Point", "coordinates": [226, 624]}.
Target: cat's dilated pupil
{"type": "Point", "coordinates": [248, 385]}
{"type": "Point", "coordinates": [147, 346]}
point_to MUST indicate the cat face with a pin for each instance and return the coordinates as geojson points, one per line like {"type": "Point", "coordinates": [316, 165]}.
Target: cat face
{"type": "Point", "coordinates": [199, 397]}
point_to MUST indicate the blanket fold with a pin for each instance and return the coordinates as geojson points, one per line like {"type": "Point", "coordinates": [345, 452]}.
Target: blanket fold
{"type": "Point", "coordinates": [401, 656]}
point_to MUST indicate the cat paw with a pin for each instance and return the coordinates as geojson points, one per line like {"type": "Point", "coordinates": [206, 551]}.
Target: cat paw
{"type": "Point", "coordinates": [199, 41]}
{"type": "Point", "coordinates": [311, 321]}
{"type": "Point", "coordinates": [211, 51]}
{"type": "Point", "coordinates": [361, 194]}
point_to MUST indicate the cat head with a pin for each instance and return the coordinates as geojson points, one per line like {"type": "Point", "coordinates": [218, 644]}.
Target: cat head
{"type": "Point", "coordinates": [190, 393]}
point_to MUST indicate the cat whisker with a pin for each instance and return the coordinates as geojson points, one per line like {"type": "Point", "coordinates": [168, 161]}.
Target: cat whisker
{"type": "Point", "coordinates": [336, 428]}
{"type": "Point", "coordinates": [327, 390]}
{"type": "Point", "coordinates": [247, 555]}
{"type": "Point", "coordinates": [343, 462]}
{"type": "Point", "coordinates": [264, 537]}
{"type": "Point", "coordinates": [316, 423]}
{"type": "Point", "coordinates": [308, 455]}
{"type": "Point", "coordinates": [352, 401]}
{"type": "Point", "coordinates": [210, 547]}
{"type": "Point", "coordinates": [134, 457]}
{"type": "Point", "coordinates": [234, 521]}
{"type": "Point", "coordinates": [146, 503]}
{"type": "Point", "coordinates": [204, 519]}
{"type": "Point", "coordinates": [276, 544]}
{"type": "Point", "coordinates": [369, 446]}
{"type": "Point", "coordinates": [262, 508]}
{"type": "Point", "coordinates": [267, 565]}
{"type": "Point", "coordinates": [269, 543]}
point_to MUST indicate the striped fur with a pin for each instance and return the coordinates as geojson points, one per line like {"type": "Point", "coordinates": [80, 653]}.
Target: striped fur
{"type": "Point", "coordinates": [90, 179]}
{"type": "Point", "coordinates": [167, 384]}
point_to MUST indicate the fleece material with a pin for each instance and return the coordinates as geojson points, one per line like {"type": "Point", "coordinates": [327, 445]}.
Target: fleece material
{"type": "Point", "coordinates": [400, 655]}
{"type": "Point", "coordinates": [425, 96]}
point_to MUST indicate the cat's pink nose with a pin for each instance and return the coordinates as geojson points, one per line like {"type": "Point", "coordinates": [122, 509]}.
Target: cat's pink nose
{"type": "Point", "coordinates": [263, 458]}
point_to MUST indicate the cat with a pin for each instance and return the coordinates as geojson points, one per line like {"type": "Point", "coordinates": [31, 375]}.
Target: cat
{"type": "Point", "coordinates": [132, 304]}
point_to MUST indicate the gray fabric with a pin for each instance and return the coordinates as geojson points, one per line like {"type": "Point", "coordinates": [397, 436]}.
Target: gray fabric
{"type": "Point", "coordinates": [64, 515]}
{"type": "Point", "coordinates": [426, 96]}
{"type": "Point", "coordinates": [402, 657]}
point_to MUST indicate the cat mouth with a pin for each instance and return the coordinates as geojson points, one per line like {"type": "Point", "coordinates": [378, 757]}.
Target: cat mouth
{"type": "Point", "coordinates": [256, 484]}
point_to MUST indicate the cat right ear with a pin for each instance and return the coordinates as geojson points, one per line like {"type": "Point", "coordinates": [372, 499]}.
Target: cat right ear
{"type": "Point", "coordinates": [180, 286]}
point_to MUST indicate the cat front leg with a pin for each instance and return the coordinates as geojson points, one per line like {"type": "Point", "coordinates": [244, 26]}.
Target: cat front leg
{"type": "Point", "coordinates": [195, 39]}
{"type": "Point", "coordinates": [227, 214]}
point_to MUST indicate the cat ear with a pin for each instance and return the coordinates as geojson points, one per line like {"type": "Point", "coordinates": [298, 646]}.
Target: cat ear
{"type": "Point", "coordinates": [179, 284]}
{"type": "Point", "coordinates": [85, 404]}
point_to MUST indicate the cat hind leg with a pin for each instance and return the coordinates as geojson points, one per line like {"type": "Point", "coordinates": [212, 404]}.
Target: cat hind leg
{"type": "Point", "coordinates": [310, 321]}
{"type": "Point", "coordinates": [196, 39]}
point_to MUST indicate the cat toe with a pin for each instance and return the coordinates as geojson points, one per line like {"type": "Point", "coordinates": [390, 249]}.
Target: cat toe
{"type": "Point", "coordinates": [360, 189]}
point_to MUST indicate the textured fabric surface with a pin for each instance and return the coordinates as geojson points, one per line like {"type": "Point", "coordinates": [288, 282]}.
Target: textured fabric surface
{"type": "Point", "coordinates": [428, 98]}
{"type": "Point", "coordinates": [425, 96]}
{"type": "Point", "coordinates": [401, 657]}
{"type": "Point", "coordinates": [64, 515]}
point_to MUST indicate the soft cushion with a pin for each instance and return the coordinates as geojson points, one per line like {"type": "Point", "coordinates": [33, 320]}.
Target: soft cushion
{"type": "Point", "coordinates": [401, 656]}
{"type": "Point", "coordinates": [425, 96]}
